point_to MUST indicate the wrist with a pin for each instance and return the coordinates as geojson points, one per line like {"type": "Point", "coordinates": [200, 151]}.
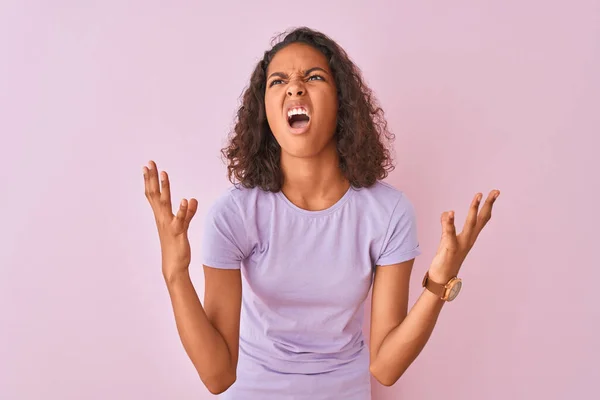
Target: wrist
{"type": "Point", "coordinates": [444, 285]}
{"type": "Point", "coordinates": [176, 275]}
{"type": "Point", "coordinates": [440, 277]}
{"type": "Point", "coordinates": [432, 296]}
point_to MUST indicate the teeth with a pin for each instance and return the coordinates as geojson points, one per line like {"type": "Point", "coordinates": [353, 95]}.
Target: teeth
{"type": "Point", "coordinates": [296, 111]}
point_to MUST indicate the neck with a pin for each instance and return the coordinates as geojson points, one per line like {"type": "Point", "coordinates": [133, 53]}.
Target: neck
{"type": "Point", "coordinates": [314, 183]}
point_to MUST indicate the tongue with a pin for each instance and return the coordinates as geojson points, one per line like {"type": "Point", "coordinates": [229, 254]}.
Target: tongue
{"type": "Point", "coordinates": [299, 124]}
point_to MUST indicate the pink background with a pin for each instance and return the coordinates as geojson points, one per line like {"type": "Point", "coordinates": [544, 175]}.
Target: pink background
{"type": "Point", "coordinates": [481, 96]}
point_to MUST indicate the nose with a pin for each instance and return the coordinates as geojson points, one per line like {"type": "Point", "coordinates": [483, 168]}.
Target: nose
{"type": "Point", "coordinates": [296, 88]}
{"type": "Point", "coordinates": [298, 92]}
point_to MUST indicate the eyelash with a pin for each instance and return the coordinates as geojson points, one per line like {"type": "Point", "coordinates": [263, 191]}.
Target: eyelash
{"type": "Point", "coordinates": [316, 76]}
{"type": "Point", "coordinates": [274, 82]}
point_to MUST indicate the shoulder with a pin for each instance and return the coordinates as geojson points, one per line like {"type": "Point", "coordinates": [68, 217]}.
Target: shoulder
{"type": "Point", "coordinates": [237, 200]}
{"type": "Point", "coordinates": [385, 197]}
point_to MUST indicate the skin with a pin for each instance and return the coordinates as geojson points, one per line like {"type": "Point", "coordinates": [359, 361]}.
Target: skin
{"type": "Point", "coordinates": [313, 181]}
{"type": "Point", "coordinates": [209, 334]}
{"type": "Point", "coordinates": [299, 73]}
{"type": "Point", "coordinates": [397, 337]}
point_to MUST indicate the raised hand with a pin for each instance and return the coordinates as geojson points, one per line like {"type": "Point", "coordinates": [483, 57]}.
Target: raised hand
{"type": "Point", "coordinates": [172, 229]}
{"type": "Point", "coordinates": [453, 248]}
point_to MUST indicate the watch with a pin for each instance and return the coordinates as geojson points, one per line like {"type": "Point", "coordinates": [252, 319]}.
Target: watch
{"type": "Point", "coordinates": [446, 292]}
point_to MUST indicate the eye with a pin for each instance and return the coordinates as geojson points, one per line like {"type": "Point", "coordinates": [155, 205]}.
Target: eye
{"type": "Point", "coordinates": [316, 78]}
{"type": "Point", "coordinates": [275, 82]}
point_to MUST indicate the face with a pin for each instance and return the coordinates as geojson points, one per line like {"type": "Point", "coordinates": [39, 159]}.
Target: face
{"type": "Point", "coordinates": [301, 101]}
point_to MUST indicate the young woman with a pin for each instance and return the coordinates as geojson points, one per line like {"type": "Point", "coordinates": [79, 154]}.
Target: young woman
{"type": "Point", "coordinates": [291, 251]}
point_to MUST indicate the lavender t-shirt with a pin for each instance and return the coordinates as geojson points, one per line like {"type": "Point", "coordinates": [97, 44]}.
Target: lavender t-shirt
{"type": "Point", "coordinates": [305, 277]}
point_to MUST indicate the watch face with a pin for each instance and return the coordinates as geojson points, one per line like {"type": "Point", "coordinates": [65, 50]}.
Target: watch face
{"type": "Point", "coordinates": [454, 290]}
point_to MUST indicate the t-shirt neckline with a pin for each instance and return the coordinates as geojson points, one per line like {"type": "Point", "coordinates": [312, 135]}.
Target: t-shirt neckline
{"type": "Point", "coordinates": [316, 213]}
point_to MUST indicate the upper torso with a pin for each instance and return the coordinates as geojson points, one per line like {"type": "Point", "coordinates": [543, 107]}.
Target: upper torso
{"type": "Point", "coordinates": [305, 278]}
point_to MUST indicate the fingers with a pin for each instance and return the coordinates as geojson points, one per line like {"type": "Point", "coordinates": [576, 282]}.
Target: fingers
{"type": "Point", "coordinates": [449, 240]}
{"type": "Point", "coordinates": [184, 215]}
{"type": "Point", "coordinates": [191, 211]}
{"type": "Point", "coordinates": [486, 211]}
{"type": "Point", "coordinates": [471, 222]}
{"type": "Point", "coordinates": [158, 195]}
{"type": "Point", "coordinates": [179, 220]}
{"type": "Point", "coordinates": [152, 190]}
{"type": "Point", "coordinates": [448, 227]}
{"type": "Point", "coordinates": [160, 199]}
{"type": "Point", "coordinates": [165, 191]}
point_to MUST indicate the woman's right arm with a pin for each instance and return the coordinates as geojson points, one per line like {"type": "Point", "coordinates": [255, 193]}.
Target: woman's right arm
{"type": "Point", "coordinates": [210, 335]}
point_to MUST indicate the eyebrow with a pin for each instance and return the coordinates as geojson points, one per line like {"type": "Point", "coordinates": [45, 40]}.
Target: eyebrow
{"type": "Point", "coordinates": [307, 72]}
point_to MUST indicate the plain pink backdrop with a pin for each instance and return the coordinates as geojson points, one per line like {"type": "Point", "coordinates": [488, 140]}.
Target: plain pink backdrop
{"type": "Point", "coordinates": [502, 94]}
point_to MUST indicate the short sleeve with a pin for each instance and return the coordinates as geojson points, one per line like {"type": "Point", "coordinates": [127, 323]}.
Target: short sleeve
{"type": "Point", "coordinates": [224, 240]}
{"type": "Point", "coordinates": [401, 241]}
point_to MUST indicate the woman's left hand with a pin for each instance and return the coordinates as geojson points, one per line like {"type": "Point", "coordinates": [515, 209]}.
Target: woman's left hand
{"type": "Point", "coordinates": [453, 248]}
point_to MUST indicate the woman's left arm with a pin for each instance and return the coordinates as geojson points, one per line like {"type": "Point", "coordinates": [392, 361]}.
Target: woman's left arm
{"type": "Point", "coordinates": [397, 337]}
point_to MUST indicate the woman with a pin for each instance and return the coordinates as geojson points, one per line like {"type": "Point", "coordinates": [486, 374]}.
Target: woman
{"type": "Point", "coordinates": [312, 227]}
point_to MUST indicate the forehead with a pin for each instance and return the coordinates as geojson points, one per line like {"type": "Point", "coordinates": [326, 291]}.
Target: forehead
{"type": "Point", "coordinates": [297, 57]}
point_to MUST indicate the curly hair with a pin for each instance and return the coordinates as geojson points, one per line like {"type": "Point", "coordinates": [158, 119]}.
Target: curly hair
{"type": "Point", "coordinates": [362, 136]}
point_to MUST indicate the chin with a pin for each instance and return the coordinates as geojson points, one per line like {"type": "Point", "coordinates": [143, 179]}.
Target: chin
{"type": "Point", "coordinates": [308, 144]}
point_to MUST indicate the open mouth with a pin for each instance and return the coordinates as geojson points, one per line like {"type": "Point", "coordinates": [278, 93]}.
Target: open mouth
{"type": "Point", "coordinates": [298, 117]}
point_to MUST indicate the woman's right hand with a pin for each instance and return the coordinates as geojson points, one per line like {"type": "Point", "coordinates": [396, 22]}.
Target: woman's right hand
{"type": "Point", "coordinates": [172, 229]}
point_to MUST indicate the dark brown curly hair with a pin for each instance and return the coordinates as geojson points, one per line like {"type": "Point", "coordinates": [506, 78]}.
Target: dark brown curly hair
{"type": "Point", "coordinates": [362, 137]}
